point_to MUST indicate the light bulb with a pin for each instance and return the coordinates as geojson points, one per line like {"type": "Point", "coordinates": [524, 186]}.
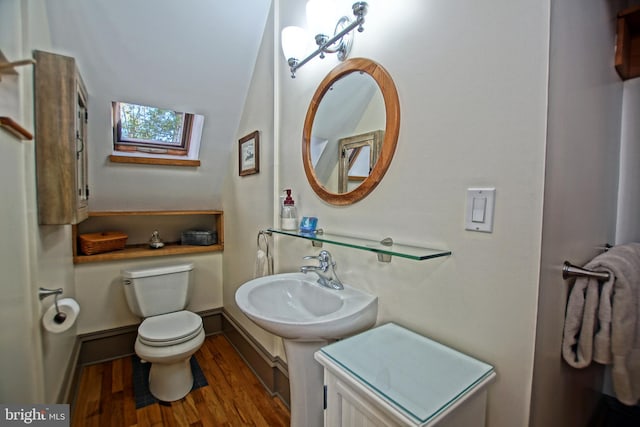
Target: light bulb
{"type": "Point", "coordinates": [321, 17]}
{"type": "Point", "coordinates": [294, 42]}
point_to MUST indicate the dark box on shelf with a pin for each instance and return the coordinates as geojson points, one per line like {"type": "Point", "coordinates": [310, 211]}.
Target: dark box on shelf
{"type": "Point", "coordinates": [199, 237]}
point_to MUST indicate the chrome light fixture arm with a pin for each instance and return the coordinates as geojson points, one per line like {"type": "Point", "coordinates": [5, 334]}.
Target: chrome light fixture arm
{"type": "Point", "coordinates": [343, 47]}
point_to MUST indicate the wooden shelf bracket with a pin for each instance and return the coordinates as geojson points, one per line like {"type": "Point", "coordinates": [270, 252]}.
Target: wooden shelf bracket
{"type": "Point", "coordinates": [15, 129]}
{"type": "Point", "coordinates": [8, 68]}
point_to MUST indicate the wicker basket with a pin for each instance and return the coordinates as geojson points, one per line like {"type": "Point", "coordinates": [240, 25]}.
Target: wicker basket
{"type": "Point", "coordinates": [106, 241]}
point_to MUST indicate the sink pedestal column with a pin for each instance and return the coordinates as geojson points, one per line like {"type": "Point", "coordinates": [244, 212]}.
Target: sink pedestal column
{"type": "Point", "coordinates": [306, 383]}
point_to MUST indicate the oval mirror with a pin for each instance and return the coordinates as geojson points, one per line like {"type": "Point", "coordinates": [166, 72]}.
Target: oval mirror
{"type": "Point", "coordinates": [350, 131]}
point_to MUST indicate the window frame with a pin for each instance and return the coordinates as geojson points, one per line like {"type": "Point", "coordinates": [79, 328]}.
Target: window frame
{"type": "Point", "coordinates": [147, 145]}
{"type": "Point", "coordinates": [127, 150]}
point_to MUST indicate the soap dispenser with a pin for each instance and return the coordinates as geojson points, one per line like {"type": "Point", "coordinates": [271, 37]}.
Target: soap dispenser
{"type": "Point", "coordinates": [288, 213]}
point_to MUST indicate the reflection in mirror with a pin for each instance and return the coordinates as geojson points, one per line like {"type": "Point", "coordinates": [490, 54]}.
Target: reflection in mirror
{"type": "Point", "coordinates": [352, 106]}
{"type": "Point", "coordinates": [350, 131]}
{"type": "Point", "coordinates": [358, 155]}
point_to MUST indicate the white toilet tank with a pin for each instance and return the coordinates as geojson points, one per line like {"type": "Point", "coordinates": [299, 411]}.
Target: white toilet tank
{"type": "Point", "coordinates": [157, 290]}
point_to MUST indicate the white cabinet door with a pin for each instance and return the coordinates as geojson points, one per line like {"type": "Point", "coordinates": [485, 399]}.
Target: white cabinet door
{"type": "Point", "coordinates": [347, 408]}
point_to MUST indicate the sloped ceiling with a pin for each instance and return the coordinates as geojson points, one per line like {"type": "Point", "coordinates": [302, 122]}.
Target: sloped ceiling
{"type": "Point", "coordinates": [192, 55]}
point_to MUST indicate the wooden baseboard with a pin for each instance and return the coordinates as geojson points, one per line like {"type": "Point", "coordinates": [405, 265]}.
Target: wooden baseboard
{"type": "Point", "coordinates": [101, 346]}
{"type": "Point", "coordinates": [71, 377]}
{"type": "Point", "coordinates": [97, 347]}
{"type": "Point", "coordinates": [114, 343]}
{"type": "Point", "coordinates": [271, 371]}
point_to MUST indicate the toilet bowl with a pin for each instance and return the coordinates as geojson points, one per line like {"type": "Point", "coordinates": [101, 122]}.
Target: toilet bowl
{"type": "Point", "coordinates": [169, 335]}
{"type": "Point", "coordinates": [168, 341]}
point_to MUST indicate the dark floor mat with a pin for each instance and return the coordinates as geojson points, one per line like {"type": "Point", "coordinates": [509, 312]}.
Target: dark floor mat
{"type": "Point", "coordinates": [141, 381]}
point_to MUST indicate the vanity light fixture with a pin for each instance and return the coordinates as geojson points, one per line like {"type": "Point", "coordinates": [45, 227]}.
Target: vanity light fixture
{"type": "Point", "coordinates": [294, 39]}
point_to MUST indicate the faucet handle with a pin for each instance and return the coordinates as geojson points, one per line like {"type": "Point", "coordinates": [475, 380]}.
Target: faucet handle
{"type": "Point", "coordinates": [312, 257]}
{"type": "Point", "coordinates": [325, 256]}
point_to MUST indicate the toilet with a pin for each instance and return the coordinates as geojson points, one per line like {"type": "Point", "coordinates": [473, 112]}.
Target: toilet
{"type": "Point", "coordinates": [169, 335]}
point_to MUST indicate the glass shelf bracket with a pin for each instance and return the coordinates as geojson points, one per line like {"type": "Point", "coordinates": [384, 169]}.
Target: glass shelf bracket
{"type": "Point", "coordinates": [384, 249]}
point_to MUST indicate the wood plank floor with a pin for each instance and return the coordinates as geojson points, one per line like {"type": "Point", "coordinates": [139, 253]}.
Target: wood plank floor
{"type": "Point", "coordinates": [233, 396]}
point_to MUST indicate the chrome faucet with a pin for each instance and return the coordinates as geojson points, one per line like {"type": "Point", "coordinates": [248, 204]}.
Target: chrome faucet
{"type": "Point", "coordinates": [327, 264]}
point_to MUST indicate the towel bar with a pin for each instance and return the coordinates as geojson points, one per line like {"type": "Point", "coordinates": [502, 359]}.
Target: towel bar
{"type": "Point", "coordinates": [569, 270]}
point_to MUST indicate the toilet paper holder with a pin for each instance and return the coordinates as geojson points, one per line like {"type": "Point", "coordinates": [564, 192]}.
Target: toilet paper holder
{"type": "Point", "coordinates": [59, 317]}
{"type": "Point", "coordinates": [44, 292]}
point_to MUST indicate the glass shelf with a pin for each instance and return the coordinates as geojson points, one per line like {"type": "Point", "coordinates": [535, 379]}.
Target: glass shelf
{"type": "Point", "coordinates": [405, 251]}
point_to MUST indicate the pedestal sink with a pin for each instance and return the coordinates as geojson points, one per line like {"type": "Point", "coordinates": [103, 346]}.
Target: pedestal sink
{"type": "Point", "coordinates": [307, 316]}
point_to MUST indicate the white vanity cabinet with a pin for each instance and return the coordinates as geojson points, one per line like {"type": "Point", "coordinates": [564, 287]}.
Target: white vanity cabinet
{"type": "Point", "coordinates": [390, 376]}
{"type": "Point", "coordinates": [61, 140]}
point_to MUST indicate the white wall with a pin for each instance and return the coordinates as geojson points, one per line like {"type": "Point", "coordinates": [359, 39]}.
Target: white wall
{"type": "Point", "coordinates": [41, 256]}
{"type": "Point", "coordinates": [585, 101]}
{"type": "Point", "coordinates": [628, 225]}
{"type": "Point", "coordinates": [472, 81]}
{"type": "Point", "coordinates": [628, 212]}
{"type": "Point", "coordinates": [101, 296]}
{"type": "Point", "coordinates": [21, 376]}
{"type": "Point", "coordinates": [170, 58]}
{"type": "Point", "coordinates": [248, 200]}
{"type": "Point", "coordinates": [33, 256]}
{"type": "Point", "coordinates": [192, 56]}
{"type": "Point", "coordinates": [472, 84]}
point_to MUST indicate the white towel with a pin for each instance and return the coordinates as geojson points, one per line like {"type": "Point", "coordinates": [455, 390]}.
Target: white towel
{"type": "Point", "coordinates": [604, 324]}
{"type": "Point", "coordinates": [264, 260]}
{"type": "Point", "coordinates": [264, 264]}
{"type": "Point", "coordinates": [580, 322]}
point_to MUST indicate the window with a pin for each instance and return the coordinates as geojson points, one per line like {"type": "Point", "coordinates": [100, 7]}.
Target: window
{"type": "Point", "coordinates": [151, 132]}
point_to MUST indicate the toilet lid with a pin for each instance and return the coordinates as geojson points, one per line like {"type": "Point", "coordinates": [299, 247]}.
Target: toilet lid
{"type": "Point", "coordinates": [169, 328]}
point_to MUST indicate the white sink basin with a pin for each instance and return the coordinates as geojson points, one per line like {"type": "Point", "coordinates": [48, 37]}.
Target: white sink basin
{"type": "Point", "coordinates": [295, 306]}
{"type": "Point", "coordinates": [307, 316]}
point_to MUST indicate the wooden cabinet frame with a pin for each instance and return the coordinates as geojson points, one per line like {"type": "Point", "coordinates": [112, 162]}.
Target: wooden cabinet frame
{"type": "Point", "coordinates": [61, 140]}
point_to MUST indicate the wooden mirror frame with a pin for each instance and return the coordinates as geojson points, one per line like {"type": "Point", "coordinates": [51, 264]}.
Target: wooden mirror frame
{"type": "Point", "coordinates": [392, 129]}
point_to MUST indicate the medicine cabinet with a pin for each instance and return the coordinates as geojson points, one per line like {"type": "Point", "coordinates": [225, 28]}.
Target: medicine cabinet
{"type": "Point", "coordinates": [61, 120]}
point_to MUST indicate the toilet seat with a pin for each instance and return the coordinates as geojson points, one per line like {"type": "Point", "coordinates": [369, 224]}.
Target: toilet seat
{"type": "Point", "coordinates": [169, 329]}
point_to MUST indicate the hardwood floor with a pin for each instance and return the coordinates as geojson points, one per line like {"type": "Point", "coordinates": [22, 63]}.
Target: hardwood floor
{"type": "Point", "coordinates": [233, 396]}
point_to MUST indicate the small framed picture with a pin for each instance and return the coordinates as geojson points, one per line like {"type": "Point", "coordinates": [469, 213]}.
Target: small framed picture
{"type": "Point", "coordinates": [249, 154]}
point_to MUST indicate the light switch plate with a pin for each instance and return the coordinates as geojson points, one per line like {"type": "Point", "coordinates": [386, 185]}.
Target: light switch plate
{"type": "Point", "coordinates": [479, 210]}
